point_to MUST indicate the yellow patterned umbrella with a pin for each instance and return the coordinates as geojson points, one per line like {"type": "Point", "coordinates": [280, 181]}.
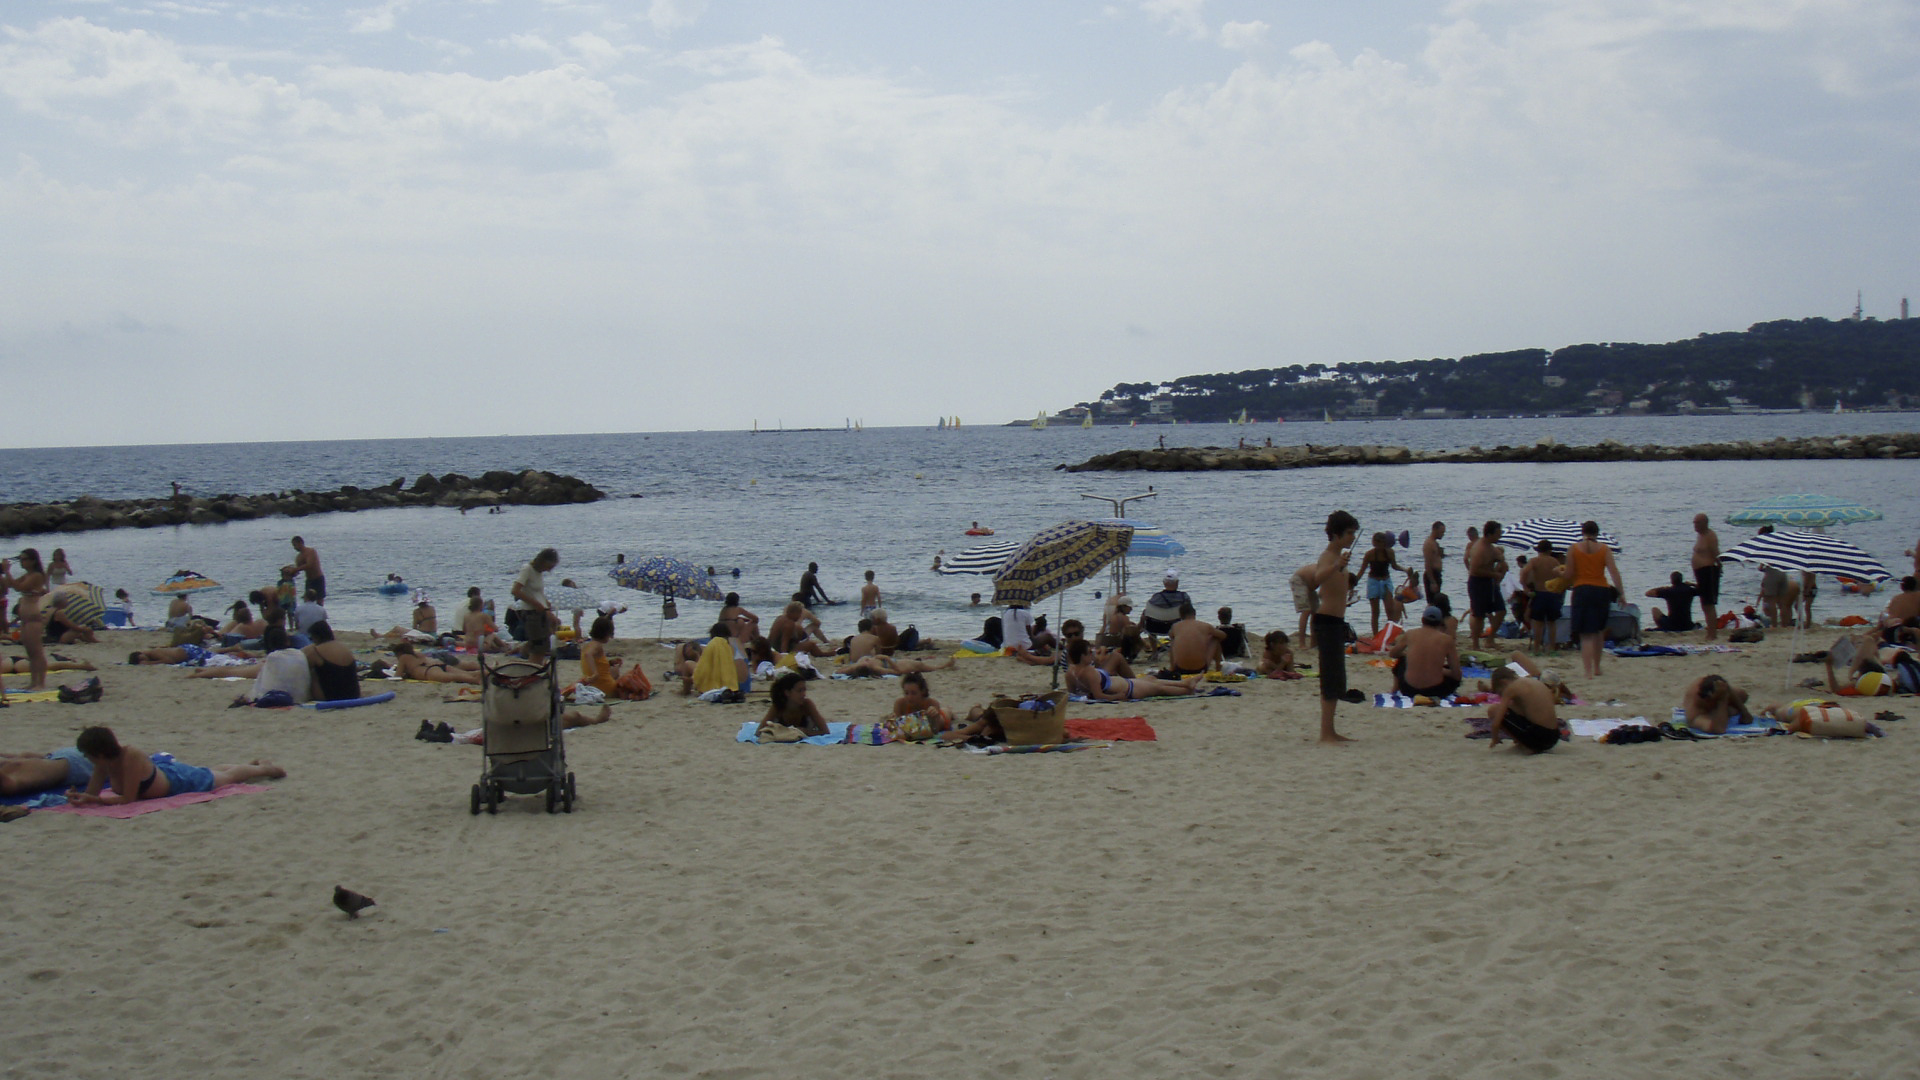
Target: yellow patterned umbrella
{"type": "Point", "coordinates": [86, 605]}
{"type": "Point", "coordinates": [1058, 558]}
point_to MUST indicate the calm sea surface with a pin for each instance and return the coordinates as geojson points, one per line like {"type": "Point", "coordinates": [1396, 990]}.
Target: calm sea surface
{"type": "Point", "coordinates": [889, 499]}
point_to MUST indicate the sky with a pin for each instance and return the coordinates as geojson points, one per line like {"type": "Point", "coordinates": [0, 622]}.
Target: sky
{"type": "Point", "coordinates": [234, 221]}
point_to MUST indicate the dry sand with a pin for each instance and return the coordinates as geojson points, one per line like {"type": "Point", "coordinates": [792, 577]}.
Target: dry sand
{"type": "Point", "coordinates": [1231, 900]}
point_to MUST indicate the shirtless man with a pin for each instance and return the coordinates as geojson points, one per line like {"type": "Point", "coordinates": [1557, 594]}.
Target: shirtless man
{"type": "Point", "coordinates": [1711, 703]}
{"type": "Point", "coordinates": [1706, 571]}
{"type": "Point", "coordinates": [864, 643]}
{"type": "Point", "coordinates": [1545, 605]}
{"type": "Point", "coordinates": [810, 589]}
{"type": "Point", "coordinates": [134, 775]}
{"type": "Point", "coordinates": [1195, 645]}
{"type": "Point", "coordinates": [1306, 600]}
{"type": "Point", "coordinates": [886, 635]}
{"type": "Point", "coordinates": [788, 634]}
{"type": "Point", "coordinates": [1433, 558]}
{"type": "Point", "coordinates": [1426, 660]}
{"type": "Point", "coordinates": [1525, 712]}
{"type": "Point", "coordinates": [476, 629]}
{"type": "Point", "coordinates": [306, 561]}
{"type": "Point", "coordinates": [1333, 585]}
{"type": "Point", "coordinates": [869, 596]}
{"type": "Point", "coordinates": [1486, 565]}
{"type": "Point", "coordinates": [1902, 617]}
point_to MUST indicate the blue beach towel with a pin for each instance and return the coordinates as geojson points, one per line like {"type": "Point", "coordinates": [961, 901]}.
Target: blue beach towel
{"type": "Point", "coordinates": [836, 734]}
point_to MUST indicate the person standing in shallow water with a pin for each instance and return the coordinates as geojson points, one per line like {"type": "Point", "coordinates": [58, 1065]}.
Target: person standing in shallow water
{"type": "Point", "coordinates": [1334, 586]}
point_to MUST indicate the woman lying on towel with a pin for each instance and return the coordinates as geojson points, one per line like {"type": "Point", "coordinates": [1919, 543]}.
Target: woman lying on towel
{"type": "Point", "coordinates": [1083, 678]}
{"type": "Point", "coordinates": [873, 665]}
{"type": "Point", "coordinates": [411, 665]}
{"type": "Point", "coordinates": [134, 775]}
{"type": "Point", "coordinates": [790, 707]}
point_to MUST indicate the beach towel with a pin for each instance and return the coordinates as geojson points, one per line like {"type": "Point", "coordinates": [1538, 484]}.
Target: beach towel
{"type": "Point", "coordinates": [1218, 691]}
{"type": "Point", "coordinates": [1397, 700]}
{"type": "Point", "coordinates": [1112, 729]}
{"type": "Point", "coordinates": [24, 697]}
{"type": "Point", "coordinates": [1593, 729]}
{"type": "Point", "coordinates": [148, 806]}
{"type": "Point", "coordinates": [836, 735]}
{"type": "Point", "coordinates": [715, 670]}
{"type": "Point", "coordinates": [1044, 748]}
{"type": "Point", "coordinates": [1734, 731]}
{"type": "Point", "coordinates": [1475, 671]}
{"type": "Point", "coordinates": [969, 654]}
{"type": "Point", "coordinates": [1647, 650]}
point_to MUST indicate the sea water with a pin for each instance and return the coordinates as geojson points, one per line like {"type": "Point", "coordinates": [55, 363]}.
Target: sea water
{"type": "Point", "coordinates": [888, 500]}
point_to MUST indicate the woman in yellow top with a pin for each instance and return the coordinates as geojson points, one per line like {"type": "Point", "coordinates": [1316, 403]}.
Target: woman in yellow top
{"type": "Point", "coordinates": [1590, 566]}
{"type": "Point", "coordinates": [597, 669]}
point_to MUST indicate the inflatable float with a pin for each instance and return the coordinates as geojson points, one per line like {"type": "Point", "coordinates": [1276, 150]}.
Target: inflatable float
{"type": "Point", "coordinates": [393, 588]}
{"type": "Point", "coordinates": [978, 531]}
{"type": "Point", "coordinates": [350, 703]}
{"type": "Point", "coordinates": [185, 581]}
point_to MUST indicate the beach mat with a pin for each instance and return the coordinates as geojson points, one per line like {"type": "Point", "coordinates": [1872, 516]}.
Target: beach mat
{"type": "Point", "coordinates": [1402, 701]}
{"type": "Point", "coordinates": [22, 697]}
{"type": "Point", "coordinates": [1112, 729]}
{"type": "Point", "coordinates": [148, 806]}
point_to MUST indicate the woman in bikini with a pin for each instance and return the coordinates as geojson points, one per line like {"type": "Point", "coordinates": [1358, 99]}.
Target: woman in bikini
{"type": "Point", "coordinates": [791, 707]}
{"type": "Point", "coordinates": [31, 584]}
{"type": "Point", "coordinates": [134, 775]}
{"type": "Point", "coordinates": [58, 569]}
{"type": "Point", "coordinates": [1379, 564]}
{"type": "Point", "coordinates": [412, 665]}
{"type": "Point", "coordinates": [1083, 678]}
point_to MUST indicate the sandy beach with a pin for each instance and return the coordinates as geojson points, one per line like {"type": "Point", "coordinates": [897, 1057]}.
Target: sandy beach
{"type": "Point", "coordinates": [1229, 900]}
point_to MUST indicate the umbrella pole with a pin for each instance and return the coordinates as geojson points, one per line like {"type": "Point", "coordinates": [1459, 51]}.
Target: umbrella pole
{"type": "Point", "coordinates": [1059, 654]}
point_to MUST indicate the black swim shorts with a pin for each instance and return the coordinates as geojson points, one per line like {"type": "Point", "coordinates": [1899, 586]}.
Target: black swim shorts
{"type": "Point", "coordinates": [1707, 579]}
{"type": "Point", "coordinates": [1529, 734]}
{"type": "Point", "coordinates": [1483, 597]}
{"type": "Point", "coordinates": [1330, 634]}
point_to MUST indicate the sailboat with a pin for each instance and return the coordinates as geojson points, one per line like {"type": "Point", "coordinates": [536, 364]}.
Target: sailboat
{"type": "Point", "coordinates": [1039, 420]}
{"type": "Point", "coordinates": [943, 424]}
{"type": "Point", "coordinates": [1243, 416]}
{"type": "Point", "coordinates": [1326, 417]}
{"type": "Point", "coordinates": [1087, 420]}
{"type": "Point", "coordinates": [1837, 409]}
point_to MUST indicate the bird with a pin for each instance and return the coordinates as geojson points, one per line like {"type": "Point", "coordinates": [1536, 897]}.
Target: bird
{"type": "Point", "coordinates": [350, 902]}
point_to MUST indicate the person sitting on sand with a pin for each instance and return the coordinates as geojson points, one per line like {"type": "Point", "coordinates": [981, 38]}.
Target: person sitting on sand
{"type": "Point", "coordinates": [61, 630]}
{"type": "Point", "coordinates": [886, 637]}
{"type": "Point", "coordinates": [1873, 670]}
{"type": "Point", "coordinates": [243, 626]}
{"type": "Point", "coordinates": [722, 665]}
{"type": "Point", "coordinates": [426, 624]}
{"type": "Point", "coordinates": [1426, 659]}
{"type": "Point", "coordinates": [335, 676]}
{"type": "Point", "coordinates": [1900, 622]}
{"type": "Point", "coordinates": [916, 716]}
{"type": "Point", "coordinates": [789, 634]}
{"type": "Point", "coordinates": [1016, 636]}
{"type": "Point", "coordinates": [1111, 661]}
{"type": "Point", "coordinates": [597, 669]}
{"type": "Point", "coordinates": [1276, 656]}
{"type": "Point", "coordinates": [745, 624]}
{"type": "Point", "coordinates": [1117, 628]}
{"type": "Point", "coordinates": [1711, 703]}
{"type": "Point", "coordinates": [1089, 681]}
{"type": "Point", "coordinates": [1194, 646]}
{"type": "Point", "coordinates": [62, 769]}
{"type": "Point", "coordinates": [1679, 595]}
{"type": "Point", "coordinates": [134, 775]}
{"type": "Point", "coordinates": [478, 634]}
{"type": "Point", "coordinates": [283, 668]}
{"type": "Point", "coordinates": [790, 707]}
{"type": "Point", "coordinates": [411, 665]}
{"type": "Point", "coordinates": [179, 611]}
{"type": "Point", "coordinates": [1525, 712]}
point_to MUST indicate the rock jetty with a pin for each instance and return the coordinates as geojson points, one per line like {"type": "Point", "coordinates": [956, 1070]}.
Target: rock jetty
{"type": "Point", "coordinates": [498, 487]}
{"type": "Point", "coordinates": [1212, 458]}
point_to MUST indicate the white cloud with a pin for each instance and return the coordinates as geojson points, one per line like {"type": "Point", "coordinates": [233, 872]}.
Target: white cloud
{"type": "Point", "coordinates": [670, 15]}
{"type": "Point", "coordinates": [1183, 17]}
{"type": "Point", "coordinates": [1243, 36]}
{"type": "Point", "coordinates": [378, 19]}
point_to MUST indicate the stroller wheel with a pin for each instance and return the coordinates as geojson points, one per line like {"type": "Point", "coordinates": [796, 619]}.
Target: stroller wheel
{"type": "Point", "coordinates": [474, 806]}
{"type": "Point", "coordinates": [566, 802]}
{"type": "Point", "coordinates": [493, 799]}
{"type": "Point", "coordinates": [553, 796]}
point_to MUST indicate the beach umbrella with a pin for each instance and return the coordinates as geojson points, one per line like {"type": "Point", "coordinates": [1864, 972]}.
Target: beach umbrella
{"type": "Point", "coordinates": [185, 581]}
{"type": "Point", "coordinates": [1803, 511]}
{"type": "Point", "coordinates": [667, 577]}
{"type": "Point", "coordinates": [1808, 553]}
{"type": "Point", "coordinates": [1559, 532]}
{"type": "Point", "coordinates": [86, 606]}
{"type": "Point", "coordinates": [1058, 558]}
{"type": "Point", "coordinates": [1150, 541]}
{"type": "Point", "coordinates": [984, 559]}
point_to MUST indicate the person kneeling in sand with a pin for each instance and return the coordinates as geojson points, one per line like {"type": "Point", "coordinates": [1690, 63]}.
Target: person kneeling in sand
{"type": "Point", "coordinates": [411, 665]}
{"type": "Point", "coordinates": [790, 707]}
{"type": "Point", "coordinates": [1426, 659]}
{"type": "Point", "coordinates": [1085, 679]}
{"type": "Point", "coordinates": [1711, 703]}
{"type": "Point", "coordinates": [1525, 712]}
{"type": "Point", "coordinates": [134, 775]}
{"type": "Point", "coordinates": [1276, 657]}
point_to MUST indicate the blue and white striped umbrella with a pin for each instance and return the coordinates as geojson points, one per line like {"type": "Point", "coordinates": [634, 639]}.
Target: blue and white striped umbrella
{"type": "Point", "coordinates": [984, 559]}
{"type": "Point", "coordinates": [1150, 541]}
{"type": "Point", "coordinates": [1559, 532]}
{"type": "Point", "coordinates": [1808, 552]}
{"type": "Point", "coordinates": [1804, 511]}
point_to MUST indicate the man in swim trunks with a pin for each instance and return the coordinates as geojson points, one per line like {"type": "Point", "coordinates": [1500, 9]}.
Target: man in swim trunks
{"type": "Point", "coordinates": [1433, 559]}
{"type": "Point", "coordinates": [134, 775]}
{"type": "Point", "coordinates": [869, 596]}
{"type": "Point", "coordinates": [62, 769]}
{"type": "Point", "coordinates": [1486, 565]}
{"type": "Point", "coordinates": [1306, 600]}
{"type": "Point", "coordinates": [1525, 712]}
{"type": "Point", "coordinates": [810, 589]}
{"type": "Point", "coordinates": [306, 560]}
{"type": "Point", "coordinates": [1706, 571]}
{"type": "Point", "coordinates": [1334, 585]}
{"type": "Point", "coordinates": [886, 635]}
{"type": "Point", "coordinates": [1426, 660]}
{"type": "Point", "coordinates": [1195, 646]}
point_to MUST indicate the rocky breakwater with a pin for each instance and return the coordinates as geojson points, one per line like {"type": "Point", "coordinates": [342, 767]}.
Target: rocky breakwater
{"type": "Point", "coordinates": [1904, 445]}
{"type": "Point", "coordinates": [498, 487]}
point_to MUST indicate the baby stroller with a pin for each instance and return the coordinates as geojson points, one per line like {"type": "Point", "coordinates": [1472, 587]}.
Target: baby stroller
{"type": "Point", "coordinates": [520, 718]}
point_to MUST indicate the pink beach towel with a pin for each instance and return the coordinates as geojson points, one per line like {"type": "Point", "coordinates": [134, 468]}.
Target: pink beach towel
{"type": "Point", "coordinates": [148, 806]}
{"type": "Point", "coordinates": [1114, 729]}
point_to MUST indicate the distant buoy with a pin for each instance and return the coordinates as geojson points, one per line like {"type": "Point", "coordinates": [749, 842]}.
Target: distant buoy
{"type": "Point", "coordinates": [916, 476]}
{"type": "Point", "coordinates": [752, 483]}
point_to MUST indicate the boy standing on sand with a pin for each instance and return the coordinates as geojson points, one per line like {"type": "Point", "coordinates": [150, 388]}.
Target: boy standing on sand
{"type": "Point", "coordinates": [1334, 586]}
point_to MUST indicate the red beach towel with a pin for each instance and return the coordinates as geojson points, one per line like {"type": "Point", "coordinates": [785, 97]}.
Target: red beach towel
{"type": "Point", "coordinates": [1112, 729]}
{"type": "Point", "coordinates": [148, 806]}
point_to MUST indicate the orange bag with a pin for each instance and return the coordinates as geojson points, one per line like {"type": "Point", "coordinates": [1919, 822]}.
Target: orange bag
{"type": "Point", "coordinates": [633, 685]}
